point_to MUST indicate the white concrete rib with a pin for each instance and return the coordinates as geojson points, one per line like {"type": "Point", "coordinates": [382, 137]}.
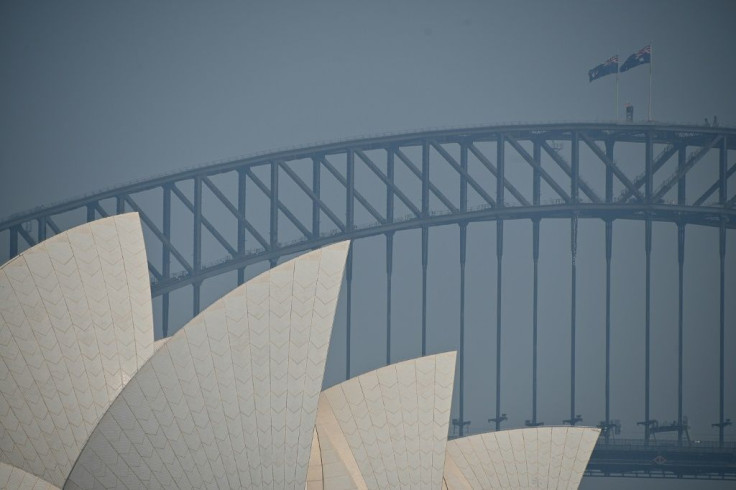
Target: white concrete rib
{"type": "Point", "coordinates": [230, 400]}
{"type": "Point", "coordinates": [75, 326]}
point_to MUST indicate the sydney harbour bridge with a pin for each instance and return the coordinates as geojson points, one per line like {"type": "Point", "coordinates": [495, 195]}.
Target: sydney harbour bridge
{"type": "Point", "coordinates": [222, 218]}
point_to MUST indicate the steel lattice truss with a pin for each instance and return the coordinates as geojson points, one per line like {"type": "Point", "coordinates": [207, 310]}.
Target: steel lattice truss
{"type": "Point", "coordinates": [378, 186]}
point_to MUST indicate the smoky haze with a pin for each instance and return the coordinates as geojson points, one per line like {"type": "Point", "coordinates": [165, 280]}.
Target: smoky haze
{"type": "Point", "coordinates": [94, 94]}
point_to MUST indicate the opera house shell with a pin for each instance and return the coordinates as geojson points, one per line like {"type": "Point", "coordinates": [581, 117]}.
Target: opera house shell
{"type": "Point", "coordinates": [233, 399]}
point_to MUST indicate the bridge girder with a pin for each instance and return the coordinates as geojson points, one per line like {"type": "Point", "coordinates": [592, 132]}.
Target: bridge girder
{"type": "Point", "coordinates": [381, 185]}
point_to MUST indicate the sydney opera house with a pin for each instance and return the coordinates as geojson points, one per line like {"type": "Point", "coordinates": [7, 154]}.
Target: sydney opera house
{"type": "Point", "coordinates": [234, 399]}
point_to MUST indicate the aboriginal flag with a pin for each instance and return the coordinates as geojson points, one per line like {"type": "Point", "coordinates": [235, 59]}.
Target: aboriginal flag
{"type": "Point", "coordinates": [644, 55]}
{"type": "Point", "coordinates": [610, 66]}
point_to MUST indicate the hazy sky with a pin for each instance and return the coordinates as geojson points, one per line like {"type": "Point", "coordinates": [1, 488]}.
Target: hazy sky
{"type": "Point", "coordinates": [95, 94]}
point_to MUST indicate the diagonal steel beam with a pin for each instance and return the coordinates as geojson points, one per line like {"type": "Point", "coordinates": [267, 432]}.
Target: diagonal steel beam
{"type": "Point", "coordinates": [432, 187]}
{"type": "Point", "coordinates": [396, 191]}
{"type": "Point", "coordinates": [303, 186]}
{"type": "Point", "coordinates": [205, 221]}
{"type": "Point", "coordinates": [699, 201]}
{"type": "Point", "coordinates": [279, 204]}
{"type": "Point", "coordinates": [26, 236]}
{"type": "Point", "coordinates": [233, 210]}
{"type": "Point", "coordinates": [658, 164]}
{"type": "Point", "coordinates": [562, 163]}
{"type": "Point", "coordinates": [156, 274]}
{"type": "Point", "coordinates": [453, 163]}
{"type": "Point", "coordinates": [53, 225]}
{"type": "Point", "coordinates": [694, 158]}
{"type": "Point", "coordinates": [492, 168]}
{"type": "Point", "coordinates": [154, 229]}
{"type": "Point", "coordinates": [530, 160]}
{"type": "Point", "coordinates": [610, 164]}
{"type": "Point", "coordinates": [362, 200]}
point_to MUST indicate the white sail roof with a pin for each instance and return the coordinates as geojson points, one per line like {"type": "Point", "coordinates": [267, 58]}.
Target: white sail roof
{"type": "Point", "coordinates": [535, 457]}
{"type": "Point", "coordinates": [75, 326]}
{"type": "Point", "coordinates": [230, 400]}
{"type": "Point", "coordinates": [387, 428]}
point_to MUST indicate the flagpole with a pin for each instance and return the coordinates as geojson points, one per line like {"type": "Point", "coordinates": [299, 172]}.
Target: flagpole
{"type": "Point", "coordinates": [651, 62]}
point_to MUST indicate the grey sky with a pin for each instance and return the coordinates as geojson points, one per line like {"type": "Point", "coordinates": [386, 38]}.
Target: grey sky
{"type": "Point", "coordinates": [94, 94]}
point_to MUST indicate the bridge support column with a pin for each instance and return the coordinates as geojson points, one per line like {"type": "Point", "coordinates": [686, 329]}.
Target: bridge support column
{"type": "Point", "coordinates": [425, 261]}
{"type": "Point", "coordinates": [573, 296]}
{"type": "Point", "coordinates": [680, 283]}
{"type": "Point", "coordinates": [461, 349]}
{"type": "Point", "coordinates": [721, 380]}
{"type": "Point", "coordinates": [722, 199]}
{"type": "Point", "coordinates": [274, 215]}
{"type": "Point", "coordinates": [500, 178]}
{"type": "Point", "coordinates": [241, 221]}
{"type": "Point", "coordinates": [535, 259]}
{"type": "Point", "coordinates": [389, 272]}
{"type": "Point", "coordinates": [197, 242]}
{"type": "Point", "coordinates": [681, 200]}
{"type": "Point", "coordinates": [348, 308]}
{"type": "Point", "coordinates": [609, 254]}
{"type": "Point", "coordinates": [389, 247]}
{"type": "Point", "coordinates": [647, 324]}
{"type": "Point", "coordinates": [166, 261]}
{"type": "Point", "coordinates": [196, 304]}
{"type": "Point", "coordinates": [499, 289]}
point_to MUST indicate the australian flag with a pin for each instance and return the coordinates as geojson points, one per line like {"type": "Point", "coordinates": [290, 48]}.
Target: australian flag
{"type": "Point", "coordinates": [644, 55]}
{"type": "Point", "coordinates": [610, 66]}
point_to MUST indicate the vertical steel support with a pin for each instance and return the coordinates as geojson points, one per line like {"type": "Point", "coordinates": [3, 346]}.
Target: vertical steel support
{"type": "Point", "coordinates": [722, 176]}
{"type": "Point", "coordinates": [274, 227]}
{"type": "Point", "coordinates": [500, 162]}
{"type": "Point", "coordinates": [389, 247]}
{"type": "Point", "coordinates": [647, 322]}
{"type": "Point", "coordinates": [575, 171]}
{"type": "Point", "coordinates": [463, 179]}
{"type": "Point", "coordinates": [41, 222]}
{"type": "Point", "coordinates": [166, 260]}
{"type": "Point", "coordinates": [425, 240]}
{"type": "Point", "coordinates": [722, 352]}
{"type": "Point", "coordinates": [197, 242]}
{"type": "Point", "coordinates": [389, 272]}
{"type": "Point", "coordinates": [722, 199]}
{"type": "Point", "coordinates": [681, 200]}
{"type": "Point", "coordinates": [573, 297]}
{"type": "Point", "coordinates": [574, 193]}
{"type": "Point", "coordinates": [242, 178]}
{"type": "Point", "coordinates": [90, 213]}
{"type": "Point", "coordinates": [463, 254]}
{"type": "Point", "coordinates": [13, 241]}
{"type": "Point", "coordinates": [349, 307]}
{"type": "Point", "coordinates": [119, 205]}
{"type": "Point", "coordinates": [461, 349]}
{"type": "Point", "coordinates": [609, 255]}
{"type": "Point", "coordinates": [535, 306]}
{"type": "Point", "coordinates": [316, 169]}
{"type": "Point", "coordinates": [350, 192]}
{"type": "Point", "coordinates": [425, 261]}
{"type": "Point", "coordinates": [649, 179]}
{"type": "Point", "coordinates": [536, 192]}
{"type": "Point", "coordinates": [680, 282]}
{"type": "Point", "coordinates": [609, 171]}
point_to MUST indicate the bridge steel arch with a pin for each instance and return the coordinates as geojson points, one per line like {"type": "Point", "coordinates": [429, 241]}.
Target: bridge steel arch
{"type": "Point", "coordinates": [643, 173]}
